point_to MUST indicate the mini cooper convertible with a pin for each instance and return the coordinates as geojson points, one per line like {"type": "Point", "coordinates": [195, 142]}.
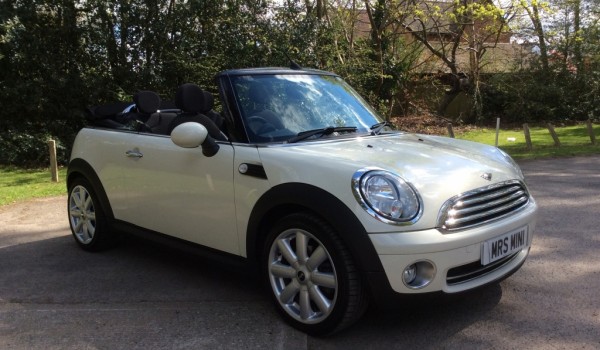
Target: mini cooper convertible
{"type": "Point", "coordinates": [299, 178]}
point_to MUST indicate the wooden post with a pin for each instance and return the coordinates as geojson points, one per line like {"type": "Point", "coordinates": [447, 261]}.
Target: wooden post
{"type": "Point", "coordinates": [497, 130]}
{"type": "Point", "coordinates": [527, 136]}
{"type": "Point", "coordinates": [53, 163]}
{"type": "Point", "coordinates": [590, 128]}
{"type": "Point", "coordinates": [450, 131]}
{"type": "Point", "coordinates": [554, 135]}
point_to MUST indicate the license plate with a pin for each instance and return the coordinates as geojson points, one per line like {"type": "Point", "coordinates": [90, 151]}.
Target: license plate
{"type": "Point", "coordinates": [501, 246]}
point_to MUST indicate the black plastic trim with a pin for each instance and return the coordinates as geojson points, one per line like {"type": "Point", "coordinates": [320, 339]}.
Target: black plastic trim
{"type": "Point", "coordinates": [231, 260]}
{"type": "Point", "coordinates": [235, 125]}
{"type": "Point", "coordinates": [254, 170]}
{"type": "Point", "coordinates": [474, 270]}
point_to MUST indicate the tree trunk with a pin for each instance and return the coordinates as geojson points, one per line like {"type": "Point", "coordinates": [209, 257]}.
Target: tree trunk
{"type": "Point", "coordinates": [577, 44]}
{"type": "Point", "coordinates": [534, 15]}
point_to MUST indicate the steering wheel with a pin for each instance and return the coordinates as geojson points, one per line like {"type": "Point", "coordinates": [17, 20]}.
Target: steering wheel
{"type": "Point", "coordinates": [259, 125]}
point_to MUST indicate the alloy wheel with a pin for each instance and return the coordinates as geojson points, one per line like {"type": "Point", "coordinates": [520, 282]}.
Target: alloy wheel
{"type": "Point", "coordinates": [303, 276]}
{"type": "Point", "coordinates": [82, 214]}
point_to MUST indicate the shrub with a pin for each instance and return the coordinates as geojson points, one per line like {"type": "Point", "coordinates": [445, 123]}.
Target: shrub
{"type": "Point", "coordinates": [29, 150]}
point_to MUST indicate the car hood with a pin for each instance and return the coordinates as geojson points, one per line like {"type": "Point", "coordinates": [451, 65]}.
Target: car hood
{"type": "Point", "coordinates": [438, 167]}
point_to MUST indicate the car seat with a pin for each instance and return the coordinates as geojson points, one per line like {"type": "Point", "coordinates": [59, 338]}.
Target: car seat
{"type": "Point", "coordinates": [191, 100]}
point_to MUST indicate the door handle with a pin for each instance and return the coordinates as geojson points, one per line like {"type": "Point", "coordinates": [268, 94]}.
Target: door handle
{"type": "Point", "coordinates": [135, 153]}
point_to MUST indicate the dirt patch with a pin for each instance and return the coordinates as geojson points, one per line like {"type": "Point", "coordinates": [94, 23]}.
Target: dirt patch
{"type": "Point", "coordinates": [428, 124]}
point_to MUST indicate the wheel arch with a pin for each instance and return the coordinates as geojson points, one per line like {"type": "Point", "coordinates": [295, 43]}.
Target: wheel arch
{"type": "Point", "coordinates": [297, 197]}
{"type": "Point", "coordinates": [81, 168]}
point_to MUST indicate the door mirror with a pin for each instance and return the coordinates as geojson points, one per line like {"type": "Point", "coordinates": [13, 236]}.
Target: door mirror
{"type": "Point", "coordinates": [189, 135]}
{"type": "Point", "coordinates": [192, 135]}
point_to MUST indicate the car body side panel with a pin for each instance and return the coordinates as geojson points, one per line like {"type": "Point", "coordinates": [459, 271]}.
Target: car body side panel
{"type": "Point", "coordinates": [169, 189]}
{"type": "Point", "coordinates": [248, 189]}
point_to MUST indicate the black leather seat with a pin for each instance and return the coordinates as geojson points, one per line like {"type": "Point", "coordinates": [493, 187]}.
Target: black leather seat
{"type": "Point", "coordinates": [146, 104]}
{"type": "Point", "coordinates": [191, 100]}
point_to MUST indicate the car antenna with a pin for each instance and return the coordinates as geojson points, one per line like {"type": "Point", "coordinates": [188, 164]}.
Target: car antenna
{"type": "Point", "coordinates": [293, 64]}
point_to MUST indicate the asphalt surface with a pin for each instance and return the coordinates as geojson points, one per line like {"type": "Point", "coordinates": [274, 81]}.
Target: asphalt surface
{"type": "Point", "coordinates": [53, 295]}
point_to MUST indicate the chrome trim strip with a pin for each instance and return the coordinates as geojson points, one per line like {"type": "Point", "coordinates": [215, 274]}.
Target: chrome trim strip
{"type": "Point", "coordinates": [487, 213]}
{"type": "Point", "coordinates": [492, 195]}
{"type": "Point", "coordinates": [514, 196]}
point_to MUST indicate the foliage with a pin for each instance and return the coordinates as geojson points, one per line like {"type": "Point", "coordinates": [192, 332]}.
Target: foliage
{"type": "Point", "coordinates": [29, 149]}
{"type": "Point", "coordinates": [538, 96]}
{"type": "Point", "coordinates": [560, 81]}
{"type": "Point", "coordinates": [58, 57]}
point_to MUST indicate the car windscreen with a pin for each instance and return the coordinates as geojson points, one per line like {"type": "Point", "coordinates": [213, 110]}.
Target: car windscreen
{"type": "Point", "coordinates": [279, 107]}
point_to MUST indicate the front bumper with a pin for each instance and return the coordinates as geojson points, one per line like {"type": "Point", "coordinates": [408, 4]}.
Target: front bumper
{"type": "Point", "coordinates": [456, 252]}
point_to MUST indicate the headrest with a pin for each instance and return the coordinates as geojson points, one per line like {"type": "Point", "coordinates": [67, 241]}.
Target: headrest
{"type": "Point", "coordinates": [209, 102]}
{"type": "Point", "coordinates": [190, 98]}
{"type": "Point", "coordinates": [147, 102]}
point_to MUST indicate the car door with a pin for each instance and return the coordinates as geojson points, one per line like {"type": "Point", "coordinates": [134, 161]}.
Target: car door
{"type": "Point", "coordinates": [179, 191]}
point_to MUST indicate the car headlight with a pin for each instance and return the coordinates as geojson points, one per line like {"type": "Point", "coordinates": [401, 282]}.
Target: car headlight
{"type": "Point", "coordinates": [387, 197]}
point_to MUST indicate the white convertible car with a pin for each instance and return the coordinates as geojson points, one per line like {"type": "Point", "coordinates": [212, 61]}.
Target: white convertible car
{"type": "Point", "coordinates": [299, 178]}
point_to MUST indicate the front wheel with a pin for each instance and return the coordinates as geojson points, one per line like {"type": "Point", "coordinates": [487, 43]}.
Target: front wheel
{"type": "Point", "coordinates": [86, 218]}
{"type": "Point", "coordinates": [311, 275]}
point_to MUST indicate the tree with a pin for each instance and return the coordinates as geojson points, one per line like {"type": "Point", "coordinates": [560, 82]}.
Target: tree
{"type": "Point", "coordinates": [448, 29]}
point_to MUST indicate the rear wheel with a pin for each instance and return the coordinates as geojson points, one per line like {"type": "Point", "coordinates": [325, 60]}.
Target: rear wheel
{"type": "Point", "coordinates": [311, 275]}
{"type": "Point", "coordinates": [87, 219]}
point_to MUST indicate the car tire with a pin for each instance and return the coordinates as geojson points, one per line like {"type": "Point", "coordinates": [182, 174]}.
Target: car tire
{"type": "Point", "coordinates": [87, 220]}
{"type": "Point", "coordinates": [311, 275]}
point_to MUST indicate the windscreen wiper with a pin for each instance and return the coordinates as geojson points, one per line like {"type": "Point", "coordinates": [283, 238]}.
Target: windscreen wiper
{"type": "Point", "coordinates": [322, 132]}
{"type": "Point", "coordinates": [377, 128]}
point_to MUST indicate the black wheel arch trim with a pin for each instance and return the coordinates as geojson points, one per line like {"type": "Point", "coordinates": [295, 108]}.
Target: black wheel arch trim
{"type": "Point", "coordinates": [286, 198]}
{"type": "Point", "coordinates": [80, 167]}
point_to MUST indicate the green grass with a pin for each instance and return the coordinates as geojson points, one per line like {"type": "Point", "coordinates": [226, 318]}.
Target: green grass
{"type": "Point", "coordinates": [17, 184]}
{"type": "Point", "coordinates": [574, 141]}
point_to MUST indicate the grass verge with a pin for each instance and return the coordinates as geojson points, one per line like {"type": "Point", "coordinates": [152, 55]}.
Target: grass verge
{"type": "Point", "coordinates": [575, 141]}
{"type": "Point", "coordinates": [18, 184]}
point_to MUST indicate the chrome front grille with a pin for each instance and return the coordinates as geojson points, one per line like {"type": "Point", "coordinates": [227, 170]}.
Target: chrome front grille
{"type": "Point", "coordinates": [483, 205]}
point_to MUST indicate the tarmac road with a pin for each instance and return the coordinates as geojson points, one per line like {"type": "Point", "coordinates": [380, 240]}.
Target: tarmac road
{"type": "Point", "coordinates": [139, 296]}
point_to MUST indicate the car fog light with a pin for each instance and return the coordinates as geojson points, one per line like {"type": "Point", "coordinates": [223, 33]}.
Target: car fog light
{"type": "Point", "coordinates": [419, 274]}
{"type": "Point", "coordinates": [410, 273]}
